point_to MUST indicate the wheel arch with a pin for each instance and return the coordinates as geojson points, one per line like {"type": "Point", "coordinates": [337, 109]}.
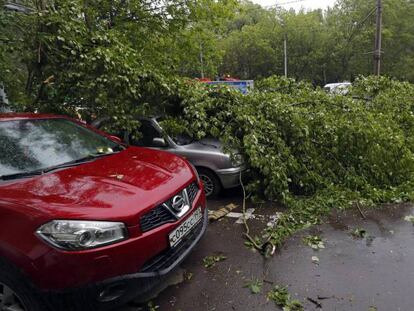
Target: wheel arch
{"type": "Point", "coordinates": [17, 261]}
{"type": "Point", "coordinates": [210, 170]}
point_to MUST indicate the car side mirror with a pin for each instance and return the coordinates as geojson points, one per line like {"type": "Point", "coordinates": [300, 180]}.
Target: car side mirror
{"type": "Point", "coordinates": [159, 142]}
{"type": "Point", "coordinates": [115, 138]}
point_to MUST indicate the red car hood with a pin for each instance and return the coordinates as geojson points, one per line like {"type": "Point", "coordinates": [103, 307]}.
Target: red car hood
{"type": "Point", "coordinates": [118, 187]}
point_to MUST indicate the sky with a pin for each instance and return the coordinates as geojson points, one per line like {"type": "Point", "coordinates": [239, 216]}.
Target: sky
{"type": "Point", "coordinates": [307, 4]}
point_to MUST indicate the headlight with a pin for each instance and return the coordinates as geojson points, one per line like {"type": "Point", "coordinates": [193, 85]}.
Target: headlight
{"type": "Point", "coordinates": [236, 160]}
{"type": "Point", "coordinates": [80, 235]}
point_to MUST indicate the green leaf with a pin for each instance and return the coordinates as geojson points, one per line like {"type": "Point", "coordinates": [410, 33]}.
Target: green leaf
{"type": "Point", "coordinates": [210, 261]}
{"type": "Point", "coordinates": [255, 286]}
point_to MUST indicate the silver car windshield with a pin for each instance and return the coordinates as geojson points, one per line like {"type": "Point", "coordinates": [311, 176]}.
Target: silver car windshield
{"type": "Point", "coordinates": [180, 139]}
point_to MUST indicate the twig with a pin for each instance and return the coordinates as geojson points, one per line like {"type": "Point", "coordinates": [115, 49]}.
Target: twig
{"type": "Point", "coordinates": [317, 304]}
{"type": "Point", "coordinates": [359, 208]}
{"type": "Point", "coordinates": [267, 248]}
{"type": "Point", "coordinates": [246, 226]}
{"type": "Point", "coordinates": [323, 297]}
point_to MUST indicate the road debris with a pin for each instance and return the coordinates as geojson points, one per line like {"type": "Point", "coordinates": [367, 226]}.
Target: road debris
{"type": "Point", "coordinates": [359, 233]}
{"type": "Point", "coordinates": [315, 260]}
{"type": "Point", "coordinates": [188, 276]}
{"type": "Point", "coordinates": [409, 218]}
{"type": "Point", "coordinates": [267, 248]}
{"type": "Point", "coordinates": [316, 303]}
{"type": "Point", "coordinates": [314, 241]}
{"type": "Point", "coordinates": [273, 220]}
{"type": "Point", "coordinates": [220, 213]}
{"type": "Point", "coordinates": [210, 261]}
{"type": "Point", "coordinates": [324, 297]}
{"type": "Point", "coordinates": [255, 286]}
{"type": "Point", "coordinates": [281, 297]}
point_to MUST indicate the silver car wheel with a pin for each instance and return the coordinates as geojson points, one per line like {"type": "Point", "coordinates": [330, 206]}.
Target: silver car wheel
{"type": "Point", "coordinates": [9, 301]}
{"type": "Point", "coordinates": [208, 184]}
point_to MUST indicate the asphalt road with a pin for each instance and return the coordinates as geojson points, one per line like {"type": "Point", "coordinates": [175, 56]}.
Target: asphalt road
{"type": "Point", "coordinates": [372, 273]}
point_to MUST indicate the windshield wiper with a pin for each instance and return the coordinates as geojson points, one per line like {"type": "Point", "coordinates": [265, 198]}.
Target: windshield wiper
{"type": "Point", "coordinates": [21, 175]}
{"type": "Point", "coordinates": [86, 159]}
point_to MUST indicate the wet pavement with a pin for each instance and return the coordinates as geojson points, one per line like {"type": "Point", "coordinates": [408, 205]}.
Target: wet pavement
{"type": "Point", "coordinates": [372, 273]}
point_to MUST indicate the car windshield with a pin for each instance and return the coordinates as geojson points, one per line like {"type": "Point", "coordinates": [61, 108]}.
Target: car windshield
{"type": "Point", "coordinates": [180, 139]}
{"type": "Point", "coordinates": [183, 139]}
{"type": "Point", "coordinates": [38, 144]}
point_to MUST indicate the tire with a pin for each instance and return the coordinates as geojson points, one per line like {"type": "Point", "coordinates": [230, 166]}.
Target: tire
{"type": "Point", "coordinates": [16, 293]}
{"type": "Point", "coordinates": [212, 185]}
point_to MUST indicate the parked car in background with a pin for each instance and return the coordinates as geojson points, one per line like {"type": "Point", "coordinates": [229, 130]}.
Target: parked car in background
{"type": "Point", "coordinates": [86, 221]}
{"type": "Point", "coordinates": [341, 88]}
{"type": "Point", "coordinates": [217, 169]}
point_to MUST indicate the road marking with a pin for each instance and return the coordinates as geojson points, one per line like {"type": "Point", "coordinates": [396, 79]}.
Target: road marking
{"type": "Point", "coordinates": [248, 215]}
{"type": "Point", "coordinates": [271, 219]}
{"type": "Point", "coordinates": [234, 215]}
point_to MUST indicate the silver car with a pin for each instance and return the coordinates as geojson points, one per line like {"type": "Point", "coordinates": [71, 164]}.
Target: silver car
{"type": "Point", "coordinates": [217, 169]}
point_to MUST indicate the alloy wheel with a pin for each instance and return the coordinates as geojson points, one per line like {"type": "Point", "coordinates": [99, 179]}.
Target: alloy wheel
{"type": "Point", "coordinates": [208, 184]}
{"type": "Point", "coordinates": [9, 301]}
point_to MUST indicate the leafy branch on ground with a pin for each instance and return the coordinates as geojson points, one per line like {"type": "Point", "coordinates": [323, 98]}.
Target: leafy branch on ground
{"type": "Point", "coordinates": [255, 286]}
{"type": "Point", "coordinates": [281, 297]}
{"type": "Point", "coordinates": [210, 261]}
{"type": "Point", "coordinates": [314, 241]}
{"type": "Point", "coordinates": [311, 151]}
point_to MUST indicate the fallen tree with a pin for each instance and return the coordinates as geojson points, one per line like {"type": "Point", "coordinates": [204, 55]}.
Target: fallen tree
{"type": "Point", "coordinates": [310, 150]}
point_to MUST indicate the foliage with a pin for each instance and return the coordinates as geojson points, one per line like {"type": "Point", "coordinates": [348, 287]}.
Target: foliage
{"type": "Point", "coordinates": [322, 47]}
{"type": "Point", "coordinates": [409, 218]}
{"type": "Point", "coordinates": [138, 45]}
{"type": "Point", "coordinates": [152, 307]}
{"type": "Point", "coordinates": [255, 286]}
{"type": "Point", "coordinates": [359, 233]}
{"type": "Point", "coordinates": [314, 241]}
{"type": "Point", "coordinates": [210, 261]}
{"type": "Point", "coordinates": [310, 150]}
{"type": "Point", "coordinates": [88, 60]}
{"type": "Point", "coordinates": [281, 297]}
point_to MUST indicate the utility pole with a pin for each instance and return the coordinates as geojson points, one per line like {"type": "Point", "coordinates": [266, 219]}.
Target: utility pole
{"type": "Point", "coordinates": [286, 56]}
{"type": "Point", "coordinates": [282, 20]}
{"type": "Point", "coordinates": [378, 40]}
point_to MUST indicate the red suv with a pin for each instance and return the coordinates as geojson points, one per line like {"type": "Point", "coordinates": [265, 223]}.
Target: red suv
{"type": "Point", "coordinates": [85, 221]}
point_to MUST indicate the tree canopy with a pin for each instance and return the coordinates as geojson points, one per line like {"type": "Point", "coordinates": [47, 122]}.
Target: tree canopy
{"type": "Point", "coordinates": [104, 55]}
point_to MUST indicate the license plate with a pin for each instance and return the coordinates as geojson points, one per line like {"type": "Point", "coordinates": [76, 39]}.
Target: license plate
{"type": "Point", "coordinates": [182, 230]}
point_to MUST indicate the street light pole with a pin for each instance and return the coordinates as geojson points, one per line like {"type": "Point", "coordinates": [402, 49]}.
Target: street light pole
{"type": "Point", "coordinates": [201, 61]}
{"type": "Point", "coordinates": [378, 40]}
{"type": "Point", "coordinates": [286, 56]}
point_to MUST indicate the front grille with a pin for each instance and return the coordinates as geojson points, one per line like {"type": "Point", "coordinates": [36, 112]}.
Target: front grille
{"type": "Point", "coordinates": [169, 256]}
{"type": "Point", "coordinates": [161, 215]}
{"type": "Point", "coordinates": [155, 218]}
{"type": "Point", "coordinates": [192, 191]}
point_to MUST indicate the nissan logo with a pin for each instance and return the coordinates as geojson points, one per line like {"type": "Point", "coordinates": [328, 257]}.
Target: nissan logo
{"type": "Point", "coordinates": [178, 203]}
